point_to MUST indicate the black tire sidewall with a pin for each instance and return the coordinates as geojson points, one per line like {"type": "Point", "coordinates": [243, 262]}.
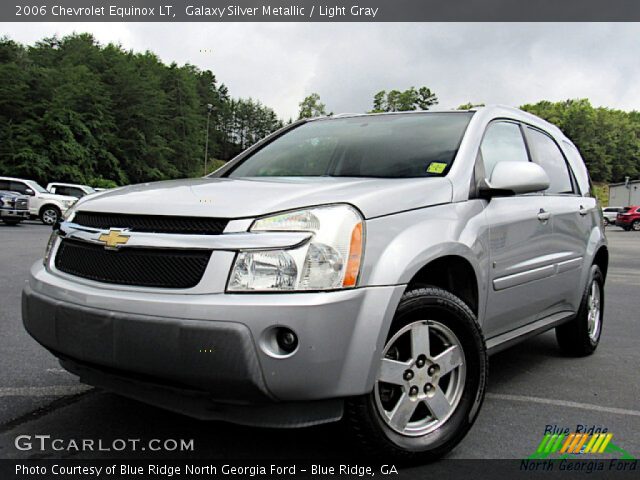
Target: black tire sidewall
{"type": "Point", "coordinates": [462, 322]}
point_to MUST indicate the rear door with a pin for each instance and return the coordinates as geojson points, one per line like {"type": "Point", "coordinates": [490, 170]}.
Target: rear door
{"type": "Point", "coordinates": [520, 245]}
{"type": "Point", "coordinates": [572, 218]}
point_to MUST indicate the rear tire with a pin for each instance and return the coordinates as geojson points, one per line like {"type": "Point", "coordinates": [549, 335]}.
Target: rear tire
{"type": "Point", "coordinates": [49, 215]}
{"type": "Point", "coordinates": [605, 221]}
{"type": "Point", "coordinates": [435, 353]}
{"type": "Point", "coordinates": [635, 226]}
{"type": "Point", "coordinates": [581, 336]}
{"type": "Point", "coordinates": [13, 223]}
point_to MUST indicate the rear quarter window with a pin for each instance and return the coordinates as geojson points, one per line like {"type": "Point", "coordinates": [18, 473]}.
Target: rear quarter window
{"type": "Point", "coordinates": [546, 153]}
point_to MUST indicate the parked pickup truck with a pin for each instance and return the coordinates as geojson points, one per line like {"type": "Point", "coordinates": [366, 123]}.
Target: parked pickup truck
{"type": "Point", "coordinates": [356, 267]}
{"type": "Point", "coordinates": [13, 207]}
{"type": "Point", "coordinates": [46, 206]}
{"type": "Point", "coordinates": [70, 189]}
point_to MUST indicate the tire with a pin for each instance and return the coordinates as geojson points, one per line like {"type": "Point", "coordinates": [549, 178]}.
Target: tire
{"type": "Point", "coordinates": [626, 229]}
{"type": "Point", "coordinates": [635, 226]}
{"type": "Point", "coordinates": [424, 438]}
{"type": "Point", "coordinates": [13, 223]}
{"type": "Point", "coordinates": [580, 337]}
{"type": "Point", "coordinates": [49, 215]}
{"type": "Point", "coordinates": [605, 221]}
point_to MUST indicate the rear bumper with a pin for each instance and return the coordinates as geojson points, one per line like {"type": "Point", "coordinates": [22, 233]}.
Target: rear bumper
{"type": "Point", "coordinates": [212, 343]}
{"type": "Point", "coordinates": [625, 222]}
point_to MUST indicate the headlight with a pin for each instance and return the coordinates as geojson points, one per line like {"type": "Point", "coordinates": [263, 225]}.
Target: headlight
{"type": "Point", "coordinates": [68, 203]}
{"type": "Point", "coordinates": [70, 212]}
{"type": "Point", "coordinates": [330, 260]}
{"type": "Point", "coordinates": [50, 244]}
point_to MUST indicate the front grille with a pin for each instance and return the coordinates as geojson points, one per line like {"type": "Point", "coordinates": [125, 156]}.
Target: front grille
{"type": "Point", "coordinates": [152, 223]}
{"type": "Point", "coordinates": [143, 267]}
{"type": "Point", "coordinates": [22, 204]}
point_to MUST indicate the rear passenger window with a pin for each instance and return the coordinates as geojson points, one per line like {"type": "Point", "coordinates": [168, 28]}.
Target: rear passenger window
{"type": "Point", "coordinates": [4, 185]}
{"type": "Point", "coordinates": [546, 153]}
{"type": "Point", "coordinates": [502, 142]}
{"type": "Point", "coordinates": [18, 187]}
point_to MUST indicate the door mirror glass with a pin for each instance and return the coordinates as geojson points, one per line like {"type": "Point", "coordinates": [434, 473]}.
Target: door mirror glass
{"type": "Point", "coordinates": [509, 178]}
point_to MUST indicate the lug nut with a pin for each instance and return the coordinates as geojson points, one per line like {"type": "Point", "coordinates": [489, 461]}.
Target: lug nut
{"type": "Point", "coordinates": [432, 369]}
{"type": "Point", "coordinates": [428, 387]}
{"type": "Point", "coordinates": [413, 391]}
{"type": "Point", "coordinates": [421, 361]}
{"type": "Point", "coordinates": [408, 375]}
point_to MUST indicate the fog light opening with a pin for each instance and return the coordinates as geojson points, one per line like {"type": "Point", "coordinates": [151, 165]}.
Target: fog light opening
{"type": "Point", "coordinates": [287, 340]}
{"type": "Point", "coordinates": [279, 342]}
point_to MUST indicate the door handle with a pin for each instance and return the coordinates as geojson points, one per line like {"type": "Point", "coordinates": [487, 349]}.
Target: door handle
{"type": "Point", "coordinates": [543, 215]}
{"type": "Point", "coordinates": [583, 211]}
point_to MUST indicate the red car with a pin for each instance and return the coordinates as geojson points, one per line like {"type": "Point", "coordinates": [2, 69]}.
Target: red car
{"type": "Point", "coordinates": [629, 218]}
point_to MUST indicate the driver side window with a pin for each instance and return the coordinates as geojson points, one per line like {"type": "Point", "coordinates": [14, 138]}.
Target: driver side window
{"type": "Point", "coordinates": [502, 142]}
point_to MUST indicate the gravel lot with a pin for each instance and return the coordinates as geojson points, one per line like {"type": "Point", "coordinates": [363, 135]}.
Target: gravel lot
{"type": "Point", "coordinates": [530, 385]}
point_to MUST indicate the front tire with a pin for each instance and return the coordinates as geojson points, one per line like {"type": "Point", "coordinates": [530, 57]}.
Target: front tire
{"type": "Point", "coordinates": [49, 215]}
{"type": "Point", "coordinates": [12, 223]}
{"type": "Point", "coordinates": [581, 336]}
{"type": "Point", "coordinates": [431, 381]}
{"type": "Point", "coordinates": [636, 226]}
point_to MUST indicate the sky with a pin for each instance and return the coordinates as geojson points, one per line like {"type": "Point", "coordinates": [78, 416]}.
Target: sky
{"type": "Point", "coordinates": [347, 63]}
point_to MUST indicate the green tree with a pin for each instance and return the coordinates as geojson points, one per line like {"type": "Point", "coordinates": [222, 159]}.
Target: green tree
{"type": "Point", "coordinates": [72, 109]}
{"type": "Point", "coordinates": [404, 101]}
{"type": "Point", "coordinates": [311, 107]}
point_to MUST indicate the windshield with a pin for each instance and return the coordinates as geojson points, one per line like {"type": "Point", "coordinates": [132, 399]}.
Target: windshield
{"type": "Point", "coordinates": [386, 146]}
{"type": "Point", "coordinates": [36, 187]}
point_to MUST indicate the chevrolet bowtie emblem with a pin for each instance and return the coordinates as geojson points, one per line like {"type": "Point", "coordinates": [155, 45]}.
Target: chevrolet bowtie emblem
{"type": "Point", "coordinates": [113, 239]}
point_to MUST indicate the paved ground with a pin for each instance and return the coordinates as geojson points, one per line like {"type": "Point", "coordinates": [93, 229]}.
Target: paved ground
{"type": "Point", "coordinates": [530, 385]}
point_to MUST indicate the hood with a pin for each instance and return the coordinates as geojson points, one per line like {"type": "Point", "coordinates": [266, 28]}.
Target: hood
{"type": "Point", "coordinates": [6, 193]}
{"type": "Point", "coordinates": [252, 197]}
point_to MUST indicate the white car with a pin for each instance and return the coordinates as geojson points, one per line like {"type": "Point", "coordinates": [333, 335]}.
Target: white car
{"type": "Point", "coordinates": [70, 189]}
{"type": "Point", "coordinates": [609, 215]}
{"type": "Point", "coordinates": [46, 206]}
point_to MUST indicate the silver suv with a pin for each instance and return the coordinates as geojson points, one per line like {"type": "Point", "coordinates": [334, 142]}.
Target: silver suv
{"type": "Point", "coordinates": [358, 267]}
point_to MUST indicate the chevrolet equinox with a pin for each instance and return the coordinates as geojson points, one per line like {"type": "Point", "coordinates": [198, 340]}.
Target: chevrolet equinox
{"type": "Point", "coordinates": [355, 267]}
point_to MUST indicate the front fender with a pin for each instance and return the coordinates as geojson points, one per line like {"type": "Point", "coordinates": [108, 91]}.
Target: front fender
{"type": "Point", "coordinates": [399, 245]}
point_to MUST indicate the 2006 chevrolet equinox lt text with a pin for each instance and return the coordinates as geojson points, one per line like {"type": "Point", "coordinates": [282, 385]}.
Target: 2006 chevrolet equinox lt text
{"type": "Point", "coordinates": [354, 267]}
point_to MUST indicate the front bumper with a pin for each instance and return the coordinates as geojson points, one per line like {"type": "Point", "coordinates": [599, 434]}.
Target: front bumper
{"type": "Point", "coordinates": [211, 343]}
{"type": "Point", "coordinates": [13, 214]}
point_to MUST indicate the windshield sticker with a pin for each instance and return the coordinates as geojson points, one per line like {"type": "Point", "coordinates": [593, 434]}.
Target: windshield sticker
{"type": "Point", "coordinates": [436, 167]}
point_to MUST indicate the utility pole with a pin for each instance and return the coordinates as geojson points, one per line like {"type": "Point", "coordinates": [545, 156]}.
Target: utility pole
{"type": "Point", "coordinates": [628, 187]}
{"type": "Point", "coordinates": [206, 141]}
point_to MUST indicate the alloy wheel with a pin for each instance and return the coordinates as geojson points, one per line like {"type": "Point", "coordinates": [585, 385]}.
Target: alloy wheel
{"type": "Point", "coordinates": [594, 312]}
{"type": "Point", "coordinates": [49, 216]}
{"type": "Point", "coordinates": [421, 378]}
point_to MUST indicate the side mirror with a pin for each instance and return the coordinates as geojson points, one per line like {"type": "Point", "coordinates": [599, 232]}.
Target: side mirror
{"type": "Point", "coordinates": [29, 192]}
{"type": "Point", "coordinates": [512, 178]}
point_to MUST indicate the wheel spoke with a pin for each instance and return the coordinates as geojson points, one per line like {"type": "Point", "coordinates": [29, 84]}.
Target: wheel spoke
{"type": "Point", "coordinates": [419, 339]}
{"type": "Point", "coordinates": [449, 359]}
{"type": "Point", "coordinates": [402, 412]}
{"type": "Point", "coordinates": [438, 404]}
{"type": "Point", "coordinates": [392, 371]}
